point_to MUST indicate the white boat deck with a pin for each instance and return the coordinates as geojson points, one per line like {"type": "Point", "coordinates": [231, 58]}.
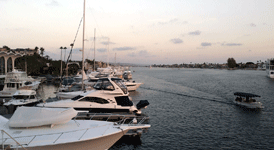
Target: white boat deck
{"type": "Point", "coordinates": [58, 134]}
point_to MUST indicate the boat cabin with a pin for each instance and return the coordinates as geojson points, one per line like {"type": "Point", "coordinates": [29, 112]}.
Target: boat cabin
{"type": "Point", "coordinates": [245, 97]}
{"type": "Point", "coordinates": [107, 84]}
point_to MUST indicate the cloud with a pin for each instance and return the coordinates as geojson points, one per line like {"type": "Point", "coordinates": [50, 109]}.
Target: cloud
{"type": "Point", "coordinates": [197, 32]}
{"type": "Point", "coordinates": [168, 22]}
{"type": "Point", "coordinates": [206, 44]}
{"type": "Point", "coordinates": [176, 41]}
{"type": "Point", "coordinates": [53, 3]}
{"type": "Point", "coordinates": [124, 48]}
{"type": "Point", "coordinates": [106, 43]}
{"type": "Point", "coordinates": [252, 25]}
{"type": "Point", "coordinates": [142, 53]}
{"type": "Point", "coordinates": [101, 50]}
{"type": "Point", "coordinates": [232, 44]}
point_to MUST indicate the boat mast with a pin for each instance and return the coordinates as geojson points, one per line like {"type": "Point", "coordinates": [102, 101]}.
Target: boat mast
{"type": "Point", "coordinates": [94, 50]}
{"type": "Point", "coordinates": [83, 45]}
{"type": "Point", "coordinates": [108, 53]}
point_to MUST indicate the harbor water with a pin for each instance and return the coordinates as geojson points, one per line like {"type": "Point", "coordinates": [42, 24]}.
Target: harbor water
{"type": "Point", "coordinates": [194, 109]}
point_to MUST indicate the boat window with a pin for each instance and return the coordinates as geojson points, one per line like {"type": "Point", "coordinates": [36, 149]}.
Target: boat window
{"type": "Point", "coordinates": [77, 97]}
{"type": "Point", "coordinates": [32, 97]}
{"type": "Point", "coordinates": [95, 100]}
{"type": "Point", "coordinates": [11, 85]}
{"type": "Point", "coordinates": [20, 97]}
{"type": "Point", "coordinates": [28, 83]}
{"type": "Point", "coordinates": [121, 85]}
{"type": "Point", "coordinates": [98, 84]}
{"type": "Point", "coordinates": [123, 101]}
{"type": "Point", "coordinates": [103, 85]}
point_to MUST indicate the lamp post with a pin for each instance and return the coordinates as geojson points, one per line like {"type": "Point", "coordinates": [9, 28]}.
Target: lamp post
{"type": "Point", "coordinates": [61, 62]}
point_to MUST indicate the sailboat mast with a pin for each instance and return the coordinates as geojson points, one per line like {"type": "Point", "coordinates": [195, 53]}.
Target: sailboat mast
{"type": "Point", "coordinates": [94, 50]}
{"type": "Point", "coordinates": [83, 45]}
{"type": "Point", "coordinates": [108, 52]}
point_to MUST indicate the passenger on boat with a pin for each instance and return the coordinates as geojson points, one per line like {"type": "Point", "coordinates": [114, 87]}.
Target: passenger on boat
{"type": "Point", "coordinates": [239, 99]}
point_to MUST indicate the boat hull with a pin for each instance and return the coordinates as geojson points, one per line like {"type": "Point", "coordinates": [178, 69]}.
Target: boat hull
{"type": "Point", "coordinates": [251, 105]}
{"type": "Point", "coordinates": [101, 143]}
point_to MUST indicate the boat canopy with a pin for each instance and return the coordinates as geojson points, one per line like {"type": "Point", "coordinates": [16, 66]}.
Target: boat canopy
{"type": "Point", "coordinates": [39, 116]}
{"type": "Point", "coordinates": [245, 94]}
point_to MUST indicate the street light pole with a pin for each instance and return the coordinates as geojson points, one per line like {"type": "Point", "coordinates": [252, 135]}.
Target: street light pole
{"type": "Point", "coordinates": [61, 62]}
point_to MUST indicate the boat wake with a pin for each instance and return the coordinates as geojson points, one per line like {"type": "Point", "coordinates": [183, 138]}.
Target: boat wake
{"type": "Point", "coordinates": [190, 96]}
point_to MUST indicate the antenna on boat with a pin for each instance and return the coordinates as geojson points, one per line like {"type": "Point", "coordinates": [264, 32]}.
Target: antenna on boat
{"type": "Point", "coordinates": [94, 50]}
{"type": "Point", "coordinates": [108, 53]}
{"type": "Point", "coordinates": [83, 45]}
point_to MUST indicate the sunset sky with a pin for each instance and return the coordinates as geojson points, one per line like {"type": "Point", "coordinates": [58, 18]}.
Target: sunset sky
{"type": "Point", "coordinates": [144, 31]}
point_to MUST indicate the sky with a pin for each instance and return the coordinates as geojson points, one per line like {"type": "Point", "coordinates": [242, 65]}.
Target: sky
{"type": "Point", "coordinates": [143, 31]}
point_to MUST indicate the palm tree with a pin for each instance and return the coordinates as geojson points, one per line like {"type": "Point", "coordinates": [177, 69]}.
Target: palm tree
{"type": "Point", "coordinates": [42, 51]}
{"type": "Point", "coordinates": [36, 49]}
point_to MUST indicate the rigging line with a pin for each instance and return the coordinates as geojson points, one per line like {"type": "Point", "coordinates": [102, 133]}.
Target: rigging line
{"type": "Point", "coordinates": [72, 44]}
{"type": "Point", "coordinates": [97, 24]}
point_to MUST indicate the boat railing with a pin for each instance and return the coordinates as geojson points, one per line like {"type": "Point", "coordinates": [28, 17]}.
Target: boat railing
{"type": "Point", "coordinates": [31, 138]}
{"type": "Point", "coordinates": [132, 121]}
{"type": "Point", "coordinates": [123, 119]}
{"type": "Point", "coordinates": [3, 146]}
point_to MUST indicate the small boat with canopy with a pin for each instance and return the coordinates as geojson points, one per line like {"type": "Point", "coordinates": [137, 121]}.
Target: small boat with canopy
{"type": "Point", "coordinates": [247, 100]}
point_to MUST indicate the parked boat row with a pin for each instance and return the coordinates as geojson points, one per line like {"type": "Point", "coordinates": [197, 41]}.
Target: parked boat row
{"type": "Point", "coordinates": [108, 95]}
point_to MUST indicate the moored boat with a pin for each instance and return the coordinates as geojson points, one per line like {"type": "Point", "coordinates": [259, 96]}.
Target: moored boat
{"type": "Point", "coordinates": [22, 97]}
{"type": "Point", "coordinates": [15, 80]}
{"type": "Point", "coordinates": [109, 95]}
{"type": "Point", "coordinates": [34, 128]}
{"type": "Point", "coordinates": [270, 68]}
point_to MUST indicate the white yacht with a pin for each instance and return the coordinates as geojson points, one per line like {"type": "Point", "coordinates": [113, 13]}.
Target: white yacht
{"type": "Point", "coordinates": [110, 95]}
{"type": "Point", "coordinates": [270, 67]}
{"type": "Point", "coordinates": [118, 87]}
{"type": "Point", "coordinates": [132, 85]}
{"type": "Point", "coordinates": [22, 97]}
{"type": "Point", "coordinates": [15, 80]}
{"type": "Point", "coordinates": [35, 128]}
{"type": "Point", "coordinates": [247, 100]}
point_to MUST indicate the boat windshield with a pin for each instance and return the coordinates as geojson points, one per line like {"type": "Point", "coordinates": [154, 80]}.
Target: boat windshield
{"type": "Point", "coordinates": [20, 97]}
{"type": "Point", "coordinates": [103, 84]}
{"type": "Point", "coordinates": [77, 97]}
{"type": "Point", "coordinates": [120, 83]}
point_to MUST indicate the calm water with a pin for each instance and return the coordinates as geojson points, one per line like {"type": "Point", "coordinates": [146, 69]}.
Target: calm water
{"type": "Point", "coordinates": [193, 109]}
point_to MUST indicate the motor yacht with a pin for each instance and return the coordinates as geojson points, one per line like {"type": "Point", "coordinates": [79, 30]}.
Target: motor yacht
{"type": "Point", "coordinates": [270, 68]}
{"type": "Point", "coordinates": [247, 100]}
{"type": "Point", "coordinates": [109, 95]}
{"type": "Point", "coordinates": [22, 97]}
{"type": "Point", "coordinates": [35, 128]}
{"type": "Point", "coordinates": [132, 85]}
{"type": "Point", "coordinates": [15, 80]}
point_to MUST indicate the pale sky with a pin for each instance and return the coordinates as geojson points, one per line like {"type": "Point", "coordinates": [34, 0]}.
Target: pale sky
{"type": "Point", "coordinates": [144, 31]}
